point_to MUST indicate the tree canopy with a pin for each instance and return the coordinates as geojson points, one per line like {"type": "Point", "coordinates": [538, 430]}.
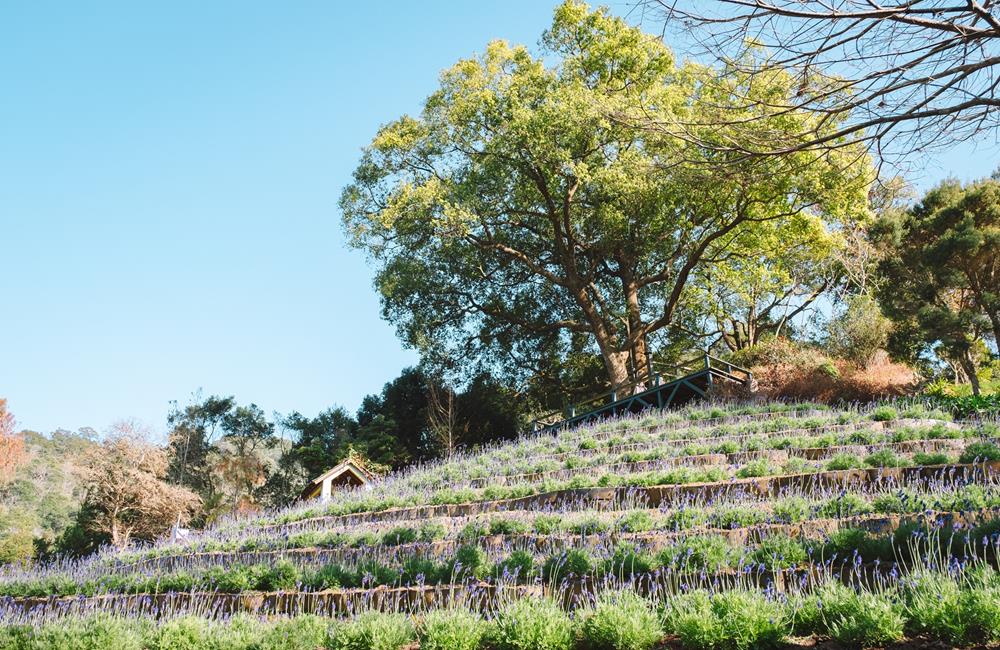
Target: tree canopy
{"type": "Point", "coordinates": [943, 271]}
{"type": "Point", "coordinates": [526, 216]}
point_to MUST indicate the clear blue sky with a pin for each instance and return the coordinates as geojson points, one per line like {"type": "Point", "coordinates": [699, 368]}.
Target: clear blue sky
{"type": "Point", "coordinates": [168, 182]}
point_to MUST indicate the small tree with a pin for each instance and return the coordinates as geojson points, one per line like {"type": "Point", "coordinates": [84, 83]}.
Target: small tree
{"type": "Point", "coordinates": [12, 452]}
{"type": "Point", "coordinates": [859, 331]}
{"type": "Point", "coordinates": [442, 416]}
{"type": "Point", "coordinates": [941, 267]}
{"type": "Point", "coordinates": [126, 490]}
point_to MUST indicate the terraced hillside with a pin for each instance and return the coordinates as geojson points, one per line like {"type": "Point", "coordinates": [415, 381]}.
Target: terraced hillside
{"type": "Point", "coordinates": [711, 527]}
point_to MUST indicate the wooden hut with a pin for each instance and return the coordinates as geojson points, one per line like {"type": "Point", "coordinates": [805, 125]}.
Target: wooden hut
{"type": "Point", "coordinates": [349, 473]}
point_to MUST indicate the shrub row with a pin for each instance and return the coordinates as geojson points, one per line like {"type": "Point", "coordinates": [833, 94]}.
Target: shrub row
{"type": "Point", "coordinates": [696, 553]}
{"type": "Point", "coordinates": [962, 609]}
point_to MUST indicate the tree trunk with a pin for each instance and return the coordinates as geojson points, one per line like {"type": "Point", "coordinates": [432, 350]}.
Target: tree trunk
{"type": "Point", "coordinates": [969, 366]}
{"type": "Point", "coordinates": [616, 364]}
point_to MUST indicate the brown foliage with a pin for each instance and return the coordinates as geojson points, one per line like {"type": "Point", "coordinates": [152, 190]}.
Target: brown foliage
{"type": "Point", "coordinates": [12, 451]}
{"type": "Point", "coordinates": [783, 369]}
{"type": "Point", "coordinates": [127, 493]}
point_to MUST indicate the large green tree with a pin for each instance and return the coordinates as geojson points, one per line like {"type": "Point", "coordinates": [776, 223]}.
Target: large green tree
{"type": "Point", "coordinates": [528, 214]}
{"type": "Point", "coordinates": [942, 267]}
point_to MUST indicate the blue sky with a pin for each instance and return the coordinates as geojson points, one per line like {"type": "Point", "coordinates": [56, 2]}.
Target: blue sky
{"type": "Point", "coordinates": [169, 174]}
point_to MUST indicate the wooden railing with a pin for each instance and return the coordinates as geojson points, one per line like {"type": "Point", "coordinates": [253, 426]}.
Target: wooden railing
{"type": "Point", "coordinates": [657, 375]}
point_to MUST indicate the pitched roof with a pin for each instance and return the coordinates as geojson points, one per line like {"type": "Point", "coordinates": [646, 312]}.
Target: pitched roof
{"type": "Point", "coordinates": [348, 465]}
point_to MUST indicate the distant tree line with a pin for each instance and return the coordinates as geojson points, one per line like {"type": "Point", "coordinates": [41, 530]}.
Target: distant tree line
{"type": "Point", "coordinates": [236, 457]}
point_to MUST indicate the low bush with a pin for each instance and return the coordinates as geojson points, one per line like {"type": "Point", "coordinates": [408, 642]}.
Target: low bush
{"type": "Point", "coordinates": [536, 624]}
{"type": "Point", "coordinates": [621, 620]}
{"type": "Point", "coordinates": [937, 458]}
{"type": "Point", "coordinates": [885, 458]}
{"type": "Point", "coordinates": [451, 629]}
{"type": "Point", "coordinates": [980, 452]}
{"type": "Point", "coordinates": [574, 562]}
{"type": "Point", "coordinates": [519, 566]}
{"type": "Point", "coordinates": [371, 631]}
{"type": "Point", "coordinates": [884, 414]}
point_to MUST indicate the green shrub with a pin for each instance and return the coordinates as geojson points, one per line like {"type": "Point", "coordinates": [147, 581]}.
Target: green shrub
{"type": "Point", "coordinates": [636, 521]}
{"type": "Point", "coordinates": [547, 524]}
{"type": "Point", "coordinates": [589, 526]}
{"type": "Point", "coordinates": [472, 531]}
{"type": "Point", "coordinates": [981, 609]}
{"type": "Point", "coordinates": [519, 565]}
{"type": "Point", "coordinates": [933, 606]}
{"type": "Point", "coordinates": [684, 517]}
{"type": "Point", "coordinates": [397, 536]}
{"type": "Point", "coordinates": [371, 631]}
{"type": "Point", "coordinates": [94, 632]}
{"type": "Point", "coordinates": [884, 414]}
{"type": "Point", "coordinates": [298, 633]}
{"type": "Point", "coordinates": [626, 561]}
{"type": "Point", "coordinates": [185, 633]}
{"type": "Point", "coordinates": [575, 561]}
{"type": "Point", "coordinates": [749, 619]}
{"type": "Point", "coordinates": [532, 624]}
{"type": "Point", "coordinates": [844, 543]}
{"type": "Point", "coordinates": [283, 576]}
{"type": "Point", "coordinates": [779, 552]}
{"type": "Point", "coordinates": [979, 452]}
{"type": "Point", "coordinates": [885, 458]}
{"type": "Point", "coordinates": [843, 461]}
{"type": "Point", "coordinates": [859, 331]}
{"type": "Point", "coordinates": [431, 531]}
{"type": "Point", "coordinates": [709, 552]}
{"type": "Point", "coordinates": [755, 468]}
{"type": "Point", "coordinates": [937, 458]}
{"type": "Point", "coordinates": [621, 620]}
{"type": "Point", "coordinates": [847, 504]}
{"type": "Point", "coordinates": [470, 561]}
{"type": "Point", "coordinates": [508, 527]}
{"type": "Point", "coordinates": [451, 629]}
{"type": "Point", "coordinates": [737, 517]}
{"type": "Point", "coordinates": [690, 617]}
{"type": "Point", "coordinates": [738, 619]}
{"type": "Point", "coordinates": [790, 510]}
{"type": "Point", "coordinates": [863, 619]}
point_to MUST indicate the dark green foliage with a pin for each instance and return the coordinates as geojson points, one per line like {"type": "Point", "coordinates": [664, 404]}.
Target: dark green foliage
{"type": "Point", "coordinates": [944, 246]}
{"type": "Point", "coordinates": [576, 562]}
{"type": "Point", "coordinates": [921, 458]}
{"type": "Point", "coordinates": [845, 544]}
{"type": "Point", "coordinates": [980, 452]}
{"type": "Point", "coordinates": [519, 565]}
{"type": "Point", "coordinates": [470, 561]}
{"type": "Point", "coordinates": [626, 562]}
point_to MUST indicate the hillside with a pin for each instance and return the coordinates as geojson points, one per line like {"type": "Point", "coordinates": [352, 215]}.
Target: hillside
{"type": "Point", "coordinates": [713, 526]}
